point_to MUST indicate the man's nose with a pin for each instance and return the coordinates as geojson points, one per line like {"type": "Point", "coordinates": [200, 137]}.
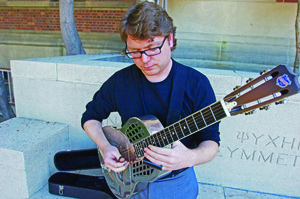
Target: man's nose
{"type": "Point", "coordinates": [145, 58]}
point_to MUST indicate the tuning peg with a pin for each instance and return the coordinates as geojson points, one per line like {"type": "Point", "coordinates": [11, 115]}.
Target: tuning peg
{"type": "Point", "coordinates": [250, 112]}
{"type": "Point", "coordinates": [235, 88]}
{"type": "Point", "coordinates": [249, 80]}
{"type": "Point", "coordinates": [266, 107]}
{"type": "Point", "coordinates": [263, 72]}
{"type": "Point", "coordinates": [280, 102]}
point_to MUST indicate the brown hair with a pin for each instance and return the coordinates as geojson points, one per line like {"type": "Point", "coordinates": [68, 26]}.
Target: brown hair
{"type": "Point", "coordinates": [145, 21]}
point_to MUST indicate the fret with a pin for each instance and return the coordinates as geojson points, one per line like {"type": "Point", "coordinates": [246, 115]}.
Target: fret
{"type": "Point", "coordinates": [172, 133]}
{"type": "Point", "coordinates": [195, 122]}
{"type": "Point", "coordinates": [181, 129]}
{"type": "Point", "coordinates": [157, 143]}
{"type": "Point", "coordinates": [184, 127]}
{"type": "Point", "coordinates": [178, 132]}
{"type": "Point", "coordinates": [141, 148]}
{"type": "Point", "coordinates": [199, 120]}
{"type": "Point", "coordinates": [152, 141]}
{"type": "Point", "coordinates": [157, 139]}
{"type": "Point", "coordinates": [191, 125]}
{"type": "Point", "coordinates": [212, 113]}
{"type": "Point", "coordinates": [170, 137]}
{"type": "Point", "coordinates": [218, 110]}
{"type": "Point", "coordinates": [160, 140]}
{"type": "Point", "coordinates": [137, 150]}
{"type": "Point", "coordinates": [203, 118]}
{"type": "Point", "coordinates": [209, 117]}
{"type": "Point", "coordinates": [188, 127]}
{"type": "Point", "coordinates": [147, 141]}
{"type": "Point", "coordinates": [144, 145]}
{"type": "Point", "coordinates": [162, 137]}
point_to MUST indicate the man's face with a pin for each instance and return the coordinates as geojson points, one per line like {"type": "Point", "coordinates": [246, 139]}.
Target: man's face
{"type": "Point", "coordinates": [157, 67]}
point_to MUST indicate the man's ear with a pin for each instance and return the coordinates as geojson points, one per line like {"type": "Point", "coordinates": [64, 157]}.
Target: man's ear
{"type": "Point", "coordinates": [171, 40]}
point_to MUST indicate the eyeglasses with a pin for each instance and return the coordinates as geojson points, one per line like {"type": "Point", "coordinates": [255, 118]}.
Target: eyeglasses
{"type": "Point", "coordinates": [148, 52]}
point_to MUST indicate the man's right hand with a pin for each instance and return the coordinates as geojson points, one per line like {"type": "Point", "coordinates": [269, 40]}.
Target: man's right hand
{"type": "Point", "coordinates": [113, 159]}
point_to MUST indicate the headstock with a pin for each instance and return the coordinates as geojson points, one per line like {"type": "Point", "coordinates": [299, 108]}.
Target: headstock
{"type": "Point", "coordinates": [271, 86]}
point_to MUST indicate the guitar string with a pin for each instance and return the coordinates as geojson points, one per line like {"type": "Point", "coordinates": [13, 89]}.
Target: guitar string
{"type": "Point", "coordinates": [162, 139]}
{"type": "Point", "coordinates": [188, 120]}
{"type": "Point", "coordinates": [192, 119]}
{"type": "Point", "coordinates": [177, 126]}
{"type": "Point", "coordinates": [196, 119]}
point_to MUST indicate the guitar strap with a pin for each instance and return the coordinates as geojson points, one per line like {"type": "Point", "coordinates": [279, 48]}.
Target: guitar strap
{"type": "Point", "coordinates": [178, 90]}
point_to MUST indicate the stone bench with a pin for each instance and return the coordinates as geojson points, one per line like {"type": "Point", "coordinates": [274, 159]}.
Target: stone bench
{"type": "Point", "coordinates": [27, 147]}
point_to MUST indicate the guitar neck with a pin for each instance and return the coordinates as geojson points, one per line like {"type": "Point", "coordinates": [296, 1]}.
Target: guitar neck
{"type": "Point", "coordinates": [185, 127]}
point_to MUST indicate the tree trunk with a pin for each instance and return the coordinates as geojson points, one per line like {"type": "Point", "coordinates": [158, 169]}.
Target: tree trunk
{"type": "Point", "coordinates": [5, 108]}
{"type": "Point", "coordinates": [69, 32]}
{"type": "Point", "coordinates": [297, 28]}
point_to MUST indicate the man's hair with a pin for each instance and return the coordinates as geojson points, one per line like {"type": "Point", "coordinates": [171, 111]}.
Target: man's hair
{"type": "Point", "coordinates": [145, 21]}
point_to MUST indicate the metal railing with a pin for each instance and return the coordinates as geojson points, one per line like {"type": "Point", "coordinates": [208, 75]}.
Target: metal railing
{"type": "Point", "coordinates": [6, 74]}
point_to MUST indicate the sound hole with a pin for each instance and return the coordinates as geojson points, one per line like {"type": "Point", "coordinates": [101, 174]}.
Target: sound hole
{"type": "Point", "coordinates": [140, 169]}
{"type": "Point", "coordinates": [134, 133]}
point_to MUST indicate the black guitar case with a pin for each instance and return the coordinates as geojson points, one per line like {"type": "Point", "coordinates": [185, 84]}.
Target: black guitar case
{"type": "Point", "coordinates": [77, 185]}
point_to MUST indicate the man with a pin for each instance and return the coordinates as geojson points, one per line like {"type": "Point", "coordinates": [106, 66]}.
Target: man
{"type": "Point", "coordinates": [152, 86]}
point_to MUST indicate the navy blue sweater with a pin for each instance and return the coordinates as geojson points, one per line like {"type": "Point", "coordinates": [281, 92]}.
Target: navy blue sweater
{"type": "Point", "coordinates": [129, 93]}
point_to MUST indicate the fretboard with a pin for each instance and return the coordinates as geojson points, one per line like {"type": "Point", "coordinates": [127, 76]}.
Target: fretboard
{"type": "Point", "coordinates": [183, 128]}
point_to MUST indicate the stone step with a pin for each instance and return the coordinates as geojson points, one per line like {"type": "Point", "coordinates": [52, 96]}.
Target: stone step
{"type": "Point", "coordinates": [27, 148]}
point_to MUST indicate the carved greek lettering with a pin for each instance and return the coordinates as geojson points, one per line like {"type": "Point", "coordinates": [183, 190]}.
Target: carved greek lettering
{"type": "Point", "coordinates": [295, 160]}
{"type": "Point", "coordinates": [281, 160]}
{"type": "Point", "coordinates": [262, 156]}
{"type": "Point", "coordinates": [277, 150]}
{"type": "Point", "coordinates": [272, 140]}
{"type": "Point", "coordinates": [231, 152]}
{"type": "Point", "coordinates": [256, 138]}
{"type": "Point", "coordinates": [242, 136]}
{"type": "Point", "coordinates": [248, 156]}
{"type": "Point", "coordinates": [288, 143]}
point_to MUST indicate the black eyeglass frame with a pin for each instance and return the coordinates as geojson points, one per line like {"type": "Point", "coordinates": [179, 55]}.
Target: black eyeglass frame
{"type": "Point", "coordinates": [128, 54]}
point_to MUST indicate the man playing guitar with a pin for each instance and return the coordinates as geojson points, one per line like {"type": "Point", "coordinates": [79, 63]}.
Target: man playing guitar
{"type": "Point", "coordinates": [158, 85]}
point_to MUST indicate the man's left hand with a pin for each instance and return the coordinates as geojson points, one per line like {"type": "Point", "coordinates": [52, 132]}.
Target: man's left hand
{"type": "Point", "coordinates": [174, 158]}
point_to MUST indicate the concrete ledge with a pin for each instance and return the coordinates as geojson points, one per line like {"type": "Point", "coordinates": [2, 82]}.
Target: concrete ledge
{"type": "Point", "coordinates": [27, 147]}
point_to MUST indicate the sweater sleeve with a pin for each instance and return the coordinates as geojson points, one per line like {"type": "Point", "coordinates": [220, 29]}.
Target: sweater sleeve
{"type": "Point", "coordinates": [102, 103]}
{"type": "Point", "coordinates": [203, 96]}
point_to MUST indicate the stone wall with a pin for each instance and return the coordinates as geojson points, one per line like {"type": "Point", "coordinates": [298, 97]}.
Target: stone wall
{"type": "Point", "coordinates": [223, 34]}
{"type": "Point", "coordinates": [31, 28]}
